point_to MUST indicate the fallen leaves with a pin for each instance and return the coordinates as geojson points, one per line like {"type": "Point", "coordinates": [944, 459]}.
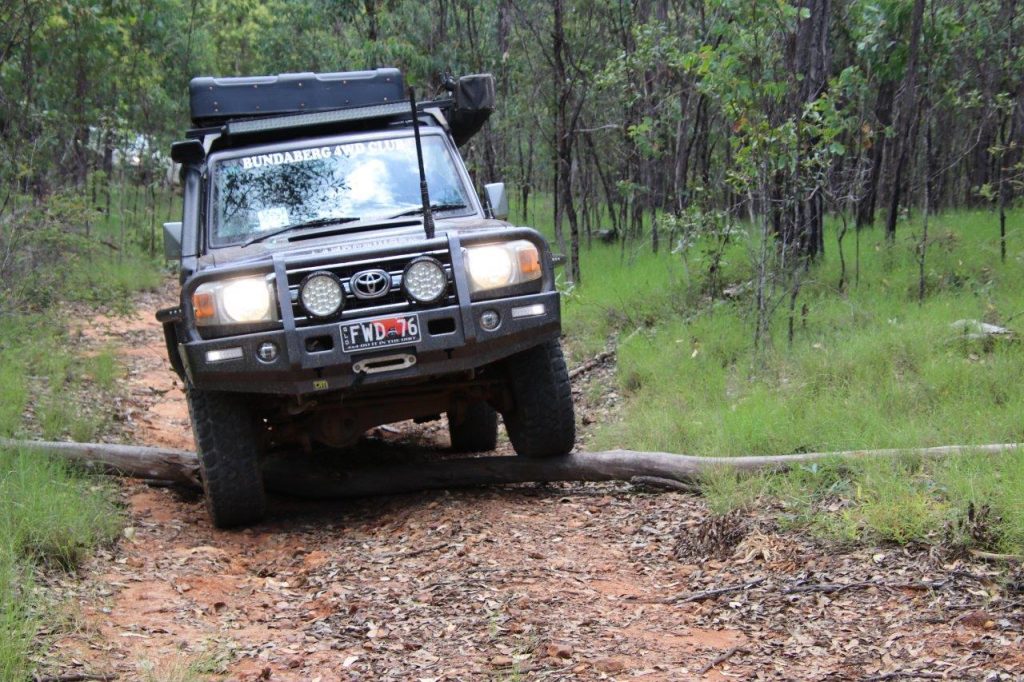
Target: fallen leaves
{"type": "Point", "coordinates": [557, 581]}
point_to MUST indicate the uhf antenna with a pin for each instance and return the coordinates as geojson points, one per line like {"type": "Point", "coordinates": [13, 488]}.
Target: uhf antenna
{"type": "Point", "coordinates": [428, 216]}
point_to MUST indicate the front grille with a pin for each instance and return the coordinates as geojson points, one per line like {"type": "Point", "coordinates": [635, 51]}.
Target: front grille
{"type": "Point", "coordinates": [392, 302]}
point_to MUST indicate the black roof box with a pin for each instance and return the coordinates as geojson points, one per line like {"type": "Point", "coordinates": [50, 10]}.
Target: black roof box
{"type": "Point", "coordinates": [214, 101]}
{"type": "Point", "coordinates": [473, 102]}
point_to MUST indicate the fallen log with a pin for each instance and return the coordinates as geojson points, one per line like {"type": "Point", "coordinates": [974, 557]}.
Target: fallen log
{"type": "Point", "coordinates": [282, 475]}
{"type": "Point", "coordinates": [309, 478]}
{"type": "Point", "coordinates": [154, 464]}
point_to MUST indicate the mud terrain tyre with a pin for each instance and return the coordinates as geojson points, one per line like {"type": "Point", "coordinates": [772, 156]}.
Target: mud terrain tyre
{"type": "Point", "coordinates": [476, 431]}
{"type": "Point", "coordinates": [541, 421]}
{"type": "Point", "coordinates": [228, 460]}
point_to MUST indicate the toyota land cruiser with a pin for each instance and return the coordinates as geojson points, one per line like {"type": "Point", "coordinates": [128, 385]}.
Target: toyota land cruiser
{"type": "Point", "coordinates": [338, 271]}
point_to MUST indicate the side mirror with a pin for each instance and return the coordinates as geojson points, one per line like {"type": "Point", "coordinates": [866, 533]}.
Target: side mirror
{"type": "Point", "coordinates": [188, 151]}
{"type": "Point", "coordinates": [172, 241]}
{"type": "Point", "coordinates": [498, 200]}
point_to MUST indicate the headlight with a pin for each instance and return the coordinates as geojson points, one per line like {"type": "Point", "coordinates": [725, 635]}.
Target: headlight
{"type": "Point", "coordinates": [234, 301]}
{"type": "Point", "coordinates": [495, 266]}
{"type": "Point", "coordinates": [424, 280]}
{"type": "Point", "coordinates": [321, 294]}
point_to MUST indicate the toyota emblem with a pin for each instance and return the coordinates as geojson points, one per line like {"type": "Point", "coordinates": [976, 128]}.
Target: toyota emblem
{"type": "Point", "coordinates": [371, 283]}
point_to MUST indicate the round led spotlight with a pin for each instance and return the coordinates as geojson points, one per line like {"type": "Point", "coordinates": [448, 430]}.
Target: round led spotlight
{"type": "Point", "coordinates": [424, 280]}
{"type": "Point", "coordinates": [321, 294]}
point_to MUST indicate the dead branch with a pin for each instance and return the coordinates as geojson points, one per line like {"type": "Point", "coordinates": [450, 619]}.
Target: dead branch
{"type": "Point", "coordinates": [414, 552]}
{"type": "Point", "coordinates": [721, 658]}
{"type": "Point", "coordinates": [310, 479]}
{"type": "Point", "coordinates": [993, 556]}
{"type": "Point", "coordinates": [830, 588]}
{"type": "Point", "coordinates": [905, 674]}
{"type": "Point", "coordinates": [75, 677]}
{"type": "Point", "coordinates": [590, 364]}
{"type": "Point", "coordinates": [711, 594]}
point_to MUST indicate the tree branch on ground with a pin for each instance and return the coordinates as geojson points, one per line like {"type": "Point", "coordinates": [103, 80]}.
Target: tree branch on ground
{"type": "Point", "coordinates": [285, 475]}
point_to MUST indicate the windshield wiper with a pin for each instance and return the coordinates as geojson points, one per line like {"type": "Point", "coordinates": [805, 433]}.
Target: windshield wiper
{"type": "Point", "coordinates": [433, 207]}
{"type": "Point", "coordinates": [316, 222]}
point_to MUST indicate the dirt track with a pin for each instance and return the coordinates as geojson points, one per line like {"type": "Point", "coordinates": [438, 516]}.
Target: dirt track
{"type": "Point", "coordinates": [588, 581]}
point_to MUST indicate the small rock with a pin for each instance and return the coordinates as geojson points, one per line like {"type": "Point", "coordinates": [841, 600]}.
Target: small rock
{"type": "Point", "coordinates": [557, 650]}
{"type": "Point", "coordinates": [612, 664]}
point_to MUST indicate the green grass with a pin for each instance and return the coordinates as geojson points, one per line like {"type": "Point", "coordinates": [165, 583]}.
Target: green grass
{"type": "Point", "coordinates": [17, 621]}
{"type": "Point", "coordinates": [869, 367]}
{"type": "Point", "coordinates": [68, 249]}
{"type": "Point", "coordinates": [51, 515]}
{"type": "Point", "coordinates": [898, 501]}
{"type": "Point", "coordinates": [622, 290]}
{"type": "Point", "coordinates": [41, 363]}
{"type": "Point", "coordinates": [110, 282]}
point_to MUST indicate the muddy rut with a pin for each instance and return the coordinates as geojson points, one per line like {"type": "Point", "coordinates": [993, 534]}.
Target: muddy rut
{"type": "Point", "coordinates": [569, 581]}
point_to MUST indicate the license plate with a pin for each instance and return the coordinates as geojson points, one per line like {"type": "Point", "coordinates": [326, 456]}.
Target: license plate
{"type": "Point", "coordinates": [380, 332]}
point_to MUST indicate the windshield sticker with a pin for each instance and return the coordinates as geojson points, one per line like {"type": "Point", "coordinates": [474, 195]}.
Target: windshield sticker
{"type": "Point", "coordinates": [319, 153]}
{"type": "Point", "coordinates": [272, 218]}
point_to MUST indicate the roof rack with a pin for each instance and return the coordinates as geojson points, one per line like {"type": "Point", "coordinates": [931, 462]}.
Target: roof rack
{"type": "Point", "coordinates": [273, 105]}
{"type": "Point", "coordinates": [214, 101]}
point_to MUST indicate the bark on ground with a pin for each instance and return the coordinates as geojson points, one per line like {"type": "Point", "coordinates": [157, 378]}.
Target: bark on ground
{"type": "Point", "coordinates": [554, 581]}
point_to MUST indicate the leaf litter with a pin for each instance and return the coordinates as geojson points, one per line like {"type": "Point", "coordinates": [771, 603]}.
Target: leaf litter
{"type": "Point", "coordinates": [543, 582]}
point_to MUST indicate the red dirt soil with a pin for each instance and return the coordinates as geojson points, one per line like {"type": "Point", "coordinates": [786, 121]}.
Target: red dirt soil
{"type": "Point", "coordinates": [569, 581]}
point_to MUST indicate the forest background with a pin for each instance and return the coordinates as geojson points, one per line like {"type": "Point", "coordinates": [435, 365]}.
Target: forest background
{"type": "Point", "coordinates": [654, 119]}
{"type": "Point", "coordinates": [788, 222]}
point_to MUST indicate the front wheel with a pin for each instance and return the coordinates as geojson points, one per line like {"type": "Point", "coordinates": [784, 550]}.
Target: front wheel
{"type": "Point", "coordinates": [223, 426]}
{"type": "Point", "coordinates": [541, 422]}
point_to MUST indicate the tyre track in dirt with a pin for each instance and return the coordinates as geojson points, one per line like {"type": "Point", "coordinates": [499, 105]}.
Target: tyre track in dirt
{"type": "Point", "coordinates": [542, 582]}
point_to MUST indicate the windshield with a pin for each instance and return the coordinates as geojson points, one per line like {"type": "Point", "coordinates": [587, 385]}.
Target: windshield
{"type": "Point", "coordinates": [374, 179]}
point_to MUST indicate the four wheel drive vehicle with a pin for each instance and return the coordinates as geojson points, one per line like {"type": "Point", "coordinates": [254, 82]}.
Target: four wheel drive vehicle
{"type": "Point", "coordinates": [339, 272]}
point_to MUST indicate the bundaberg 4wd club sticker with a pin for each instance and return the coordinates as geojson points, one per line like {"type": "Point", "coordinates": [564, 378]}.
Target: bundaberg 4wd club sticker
{"type": "Point", "coordinates": [320, 153]}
